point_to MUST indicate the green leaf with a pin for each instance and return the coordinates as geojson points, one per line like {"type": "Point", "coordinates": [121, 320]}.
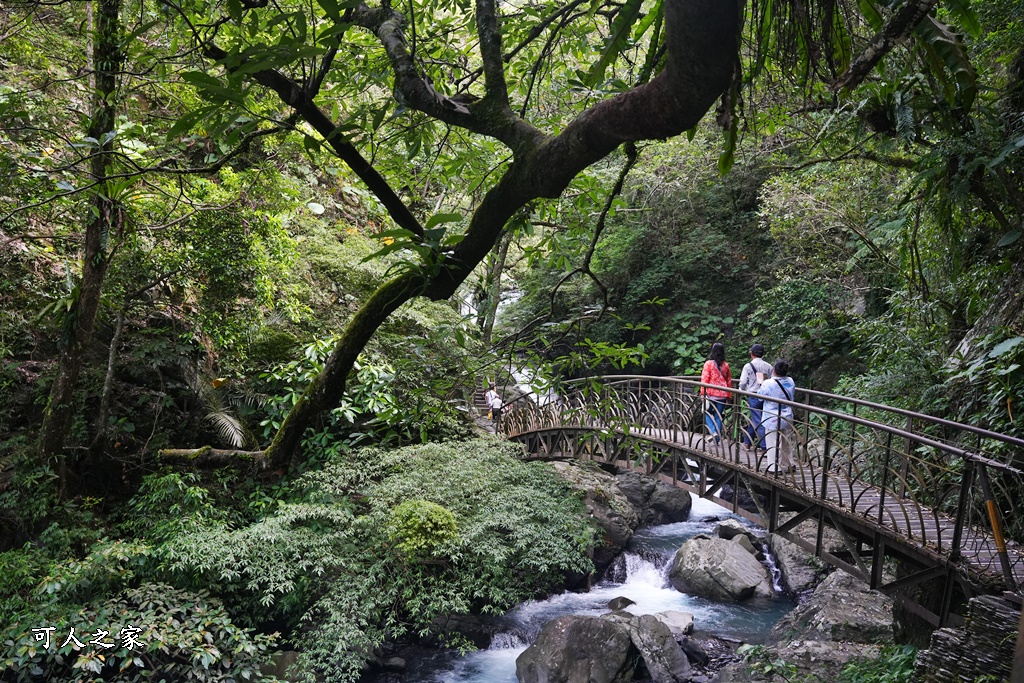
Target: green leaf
{"type": "Point", "coordinates": [966, 18]}
{"type": "Point", "coordinates": [1008, 149]}
{"type": "Point", "coordinates": [315, 207]}
{"type": "Point", "coordinates": [1005, 347]}
{"type": "Point", "coordinates": [235, 11]}
{"type": "Point", "coordinates": [871, 14]}
{"type": "Point", "coordinates": [311, 144]}
{"type": "Point", "coordinates": [616, 42]}
{"type": "Point", "coordinates": [330, 8]}
{"type": "Point", "coordinates": [728, 155]}
{"type": "Point", "coordinates": [439, 218]}
{"type": "Point", "coordinates": [945, 47]}
{"type": "Point", "coordinates": [189, 120]}
{"type": "Point", "coordinates": [1008, 239]}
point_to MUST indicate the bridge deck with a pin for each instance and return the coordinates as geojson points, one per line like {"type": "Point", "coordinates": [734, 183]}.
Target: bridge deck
{"type": "Point", "coordinates": [978, 546]}
{"type": "Point", "coordinates": [925, 529]}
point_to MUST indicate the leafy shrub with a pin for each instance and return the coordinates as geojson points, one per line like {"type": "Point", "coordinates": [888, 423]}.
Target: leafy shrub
{"type": "Point", "coordinates": [419, 526]}
{"type": "Point", "coordinates": [19, 575]}
{"type": "Point", "coordinates": [169, 504]}
{"type": "Point", "coordinates": [333, 559]}
{"type": "Point", "coordinates": [182, 635]}
{"type": "Point", "coordinates": [151, 632]}
{"type": "Point", "coordinates": [381, 404]}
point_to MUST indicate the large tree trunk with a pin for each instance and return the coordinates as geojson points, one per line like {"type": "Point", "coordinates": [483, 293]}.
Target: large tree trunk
{"type": "Point", "coordinates": [106, 220]}
{"type": "Point", "coordinates": [703, 43]}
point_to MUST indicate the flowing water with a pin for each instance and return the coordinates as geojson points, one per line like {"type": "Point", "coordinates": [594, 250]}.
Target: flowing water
{"type": "Point", "coordinates": [640, 575]}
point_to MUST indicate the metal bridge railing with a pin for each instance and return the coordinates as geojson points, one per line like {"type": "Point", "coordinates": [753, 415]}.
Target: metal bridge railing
{"type": "Point", "coordinates": [925, 479]}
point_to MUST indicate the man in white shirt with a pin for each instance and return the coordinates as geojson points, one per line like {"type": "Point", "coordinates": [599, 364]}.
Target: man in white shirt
{"type": "Point", "coordinates": [494, 403]}
{"type": "Point", "coordinates": [754, 374]}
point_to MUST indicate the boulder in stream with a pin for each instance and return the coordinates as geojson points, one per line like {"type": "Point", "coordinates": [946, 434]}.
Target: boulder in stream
{"type": "Point", "coordinates": [799, 568]}
{"type": "Point", "coordinates": [680, 623]}
{"type": "Point", "coordinates": [621, 602]}
{"type": "Point", "coordinates": [578, 649]}
{"type": "Point", "coordinates": [720, 570]}
{"type": "Point", "coordinates": [656, 502]}
{"type": "Point", "coordinates": [665, 660]}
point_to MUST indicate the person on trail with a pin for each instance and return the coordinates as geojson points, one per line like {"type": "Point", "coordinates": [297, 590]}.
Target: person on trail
{"type": "Point", "coordinates": [753, 376]}
{"type": "Point", "coordinates": [777, 418]}
{"type": "Point", "coordinates": [716, 371]}
{"type": "Point", "coordinates": [494, 403]}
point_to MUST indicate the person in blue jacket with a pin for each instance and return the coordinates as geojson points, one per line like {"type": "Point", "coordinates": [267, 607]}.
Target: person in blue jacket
{"type": "Point", "coordinates": [777, 418]}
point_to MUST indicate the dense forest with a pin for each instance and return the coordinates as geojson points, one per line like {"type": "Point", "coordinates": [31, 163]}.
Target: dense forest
{"type": "Point", "coordinates": [258, 256]}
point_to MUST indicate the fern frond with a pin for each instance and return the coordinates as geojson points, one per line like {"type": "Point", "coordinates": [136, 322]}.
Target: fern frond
{"type": "Point", "coordinates": [229, 428]}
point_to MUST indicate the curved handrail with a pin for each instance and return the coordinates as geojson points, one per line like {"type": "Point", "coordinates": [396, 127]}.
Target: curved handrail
{"type": "Point", "coordinates": [915, 436]}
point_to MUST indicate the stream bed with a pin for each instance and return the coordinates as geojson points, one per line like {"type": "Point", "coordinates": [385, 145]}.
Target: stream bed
{"type": "Point", "coordinates": [641, 575]}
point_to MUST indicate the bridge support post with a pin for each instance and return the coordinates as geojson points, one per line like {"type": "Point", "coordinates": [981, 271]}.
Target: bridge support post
{"type": "Point", "coordinates": [773, 510]}
{"type": "Point", "coordinates": [997, 529]}
{"type": "Point", "coordinates": [877, 560]}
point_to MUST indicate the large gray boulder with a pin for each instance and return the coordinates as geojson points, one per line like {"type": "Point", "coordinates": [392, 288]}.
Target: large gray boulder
{"type": "Point", "coordinates": [578, 649]}
{"type": "Point", "coordinates": [842, 608]}
{"type": "Point", "coordinates": [799, 568]}
{"type": "Point", "coordinates": [680, 623]}
{"type": "Point", "coordinates": [669, 503]}
{"type": "Point", "coordinates": [663, 657]}
{"type": "Point", "coordinates": [665, 660]}
{"type": "Point", "coordinates": [720, 570]}
{"type": "Point", "coordinates": [731, 529]}
{"type": "Point", "coordinates": [843, 620]}
{"type": "Point", "coordinates": [656, 502]}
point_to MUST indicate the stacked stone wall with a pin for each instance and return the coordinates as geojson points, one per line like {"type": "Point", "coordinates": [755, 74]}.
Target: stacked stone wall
{"type": "Point", "coordinates": [983, 648]}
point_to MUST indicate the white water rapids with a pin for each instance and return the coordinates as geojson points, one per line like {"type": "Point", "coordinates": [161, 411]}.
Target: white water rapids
{"type": "Point", "coordinates": [641, 575]}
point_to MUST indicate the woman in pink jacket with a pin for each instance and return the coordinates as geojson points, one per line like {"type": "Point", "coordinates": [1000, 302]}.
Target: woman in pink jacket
{"type": "Point", "coordinates": [716, 371]}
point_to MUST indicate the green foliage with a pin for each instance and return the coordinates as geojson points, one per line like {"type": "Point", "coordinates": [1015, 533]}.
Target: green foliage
{"type": "Point", "coordinates": [20, 570]}
{"type": "Point", "coordinates": [178, 635]}
{"type": "Point", "coordinates": [989, 388]}
{"type": "Point", "coordinates": [763, 662]}
{"type": "Point", "coordinates": [419, 526]}
{"type": "Point", "coordinates": [687, 337]}
{"type": "Point", "coordinates": [31, 493]}
{"type": "Point", "coordinates": [170, 504]}
{"type": "Point", "coordinates": [337, 558]}
{"type": "Point", "coordinates": [895, 664]}
{"type": "Point", "coordinates": [796, 308]}
{"type": "Point", "coordinates": [381, 403]}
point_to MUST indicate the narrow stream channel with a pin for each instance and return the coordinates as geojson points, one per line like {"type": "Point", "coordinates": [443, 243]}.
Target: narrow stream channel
{"type": "Point", "coordinates": [642, 576]}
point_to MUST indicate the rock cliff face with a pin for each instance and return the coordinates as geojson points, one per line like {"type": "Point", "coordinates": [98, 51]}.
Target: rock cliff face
{"type": "Point", "coordinates": [840, 621]}
{"type": "Point", "coordinates": [619, 503]}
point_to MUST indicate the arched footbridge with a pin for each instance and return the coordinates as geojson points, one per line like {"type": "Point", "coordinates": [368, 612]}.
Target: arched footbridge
{"type": "Point", "coordinates": [944, 499]}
